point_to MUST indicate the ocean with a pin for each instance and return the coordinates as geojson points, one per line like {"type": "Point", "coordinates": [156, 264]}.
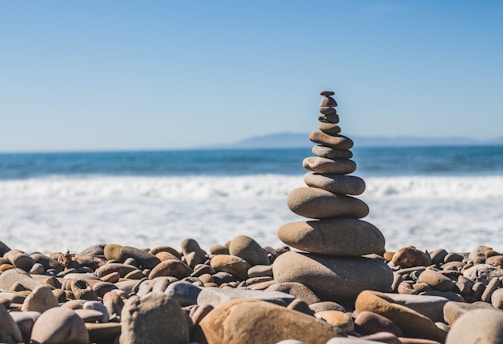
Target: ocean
{"type": "Point", "coordinates": [429, 197]}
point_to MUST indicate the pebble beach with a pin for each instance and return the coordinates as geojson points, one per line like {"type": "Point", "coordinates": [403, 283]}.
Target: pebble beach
{"type": "Point", "coordinates": [331, 278]}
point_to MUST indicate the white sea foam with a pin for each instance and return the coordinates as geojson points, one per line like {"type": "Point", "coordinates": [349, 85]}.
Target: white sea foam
{"type": "Point", "coordinates": [49, 214]}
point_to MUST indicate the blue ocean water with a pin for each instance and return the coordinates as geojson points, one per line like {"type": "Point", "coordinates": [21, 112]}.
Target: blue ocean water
{"type": "Point", "coordinates": [430, 197]}
{"type": "Point", "coordinates": [372, 161]}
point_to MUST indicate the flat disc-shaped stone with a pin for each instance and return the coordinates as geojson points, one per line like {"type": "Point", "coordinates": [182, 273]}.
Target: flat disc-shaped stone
{"type": "Point", "coordinates": [336, 183]}
{"type": "Point", "coordinates": [327, 110]}
{"type": "Point", "coordinates": [334, 119]}
{"type": "Point", "coordinates": [320, 204]}
{"type": "Point", "coordinates": [334, 141]}
{"type": "Point", "coordinates": [329, 128]}
{"type": "Point", "coordinates": [336, 279]}
{"type": "Point", "coordinates": [331, 153]}
{"type": "Point", "coordinates": [336, 236]}
{"type": "Point", "coordinates": [327, 93]}
{"type": "Point", "coordinates": [330, 166]}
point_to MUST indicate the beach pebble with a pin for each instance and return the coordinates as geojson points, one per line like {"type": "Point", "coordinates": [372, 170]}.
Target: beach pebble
{"type": "Point", "coordinates": [260, 271]}
{"type": "Point", "coordinates": [245, 247]}
{"type": "Point", "coordinates": [244, 322]}
{"type": "Point", "coordinates": [99, 307]}
{"type": "Point", "coordinates": [437, 256]}
{"type": "Point", "coordinates": [103, 332]}
{"type": "Point", "coordinates": [336, 183]}
{"type": "Point", "coordinates": [184, 293]}
{"type": "Point", "coordinates": [454, 310]}
{"type": "Point", "coordinates": [3, 248]}
{"type": "Point", "coordinates": [329, 166]}
{"type": "Point", "coordinates": [113, 252]}
{"type": "Point", "coordinates": [24, 321]}
{"type": "Point", "coordinates": [40, 300]}
{"type": "Point", "coordinates": [20, 259]}
{"type": "Point", "coordinates": [410, 256]}
{"type": "Point", "coordinates": [339, 319]}
{"type": "Point", "coordinates": [327, 110]}
{"type": "Point", "coordinates": [328, 101]}
{"type": "Point", "coordinates": [496, 261]}
{"type": "Point", "coordinates": [9, 330]}
{"type": "Point", "coordinates": [144, 258]}
{"type": "Point", "coordinates": [369, 323]}
{"type": "Point", "coordinates": [192, 252]}
{"type": "Point", "coordinates": [427, 305]}
{"type": "Point", "coordinates": [333, 236]}
{"type": "Point", "coordinates": [331, 153]}
{"type": "Point", "coordinates": [319, 204]}
{"type": "Point", "coordinates": [13, 277]}
{"type": "Point", "coordinates": [331, 118]}
{"type": "Point", "coordinates": [217, 296]}
{"type": "Point", "coordinates": [383, 337]}
{"type": "Point", "coordinates": [326, 306]}
{"type": "Point", "coordinates": [482, 273]}
{"type": "Point", "coordinates": [478, 255]}
{"type": "Point", "coordinates": [333, 278]}
{"type": "Point", "coordinates": [492, 285]}
{"type": "Point", "coordinates": [90, 315]}
{"type": "Point", "coordinates": [329, 128]}
{"type": "Point", "coordinates": [171, 267]}
{"type": "Point", "coordinates": [230, 264]}
{"type": "Point", "coordinates": [497, 298]}
{"type": "Point", "coordinates": [158, 249]}
{"type": "Point", "coordinates": [333, 141]}
{"type": "Point", "coordinates": [121, 269]}
{"type": "Point", "coordinates": [59, 325]}
{"type": "Point", "coordinates": [477, 327]}
{"type": "Point", "coordinates": [412, 323]}
{"type": "Point", "coordinates": [436, 280]}
{"type": "Point", "coordinates": [298, 290]}
{"type": "Point", "coordinates": [153, 318]}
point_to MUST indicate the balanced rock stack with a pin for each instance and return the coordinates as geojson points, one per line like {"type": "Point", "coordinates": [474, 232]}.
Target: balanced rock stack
{"type": "Point", "coordinates": [334, 243]}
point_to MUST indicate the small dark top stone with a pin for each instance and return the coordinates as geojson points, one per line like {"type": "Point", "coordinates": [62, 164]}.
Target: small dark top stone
{"type": "Point", "coordinates": [327, 93]}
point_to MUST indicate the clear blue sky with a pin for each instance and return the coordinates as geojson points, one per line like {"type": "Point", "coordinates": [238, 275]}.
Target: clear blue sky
{"type": "Point", "coordinates": [79, 75]}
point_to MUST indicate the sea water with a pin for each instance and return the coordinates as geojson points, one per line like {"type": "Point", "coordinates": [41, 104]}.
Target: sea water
{"type": "Point", "coordinates": [429, 197]}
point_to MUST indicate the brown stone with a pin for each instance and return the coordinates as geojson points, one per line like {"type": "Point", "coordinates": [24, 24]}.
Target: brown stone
{"type": "Point", "coordinates": [59, 325]}
{"type": "Point", "coordinates": [436, 280]}
{"type": "Point", "coordinates": [330, 118]}
{"type": "Point", "coordinates": [40, 300]}
{"type": "Point", "coordinates": [231, 264]}
{"type": "Point", "coordinates": [319, 204]}
{"type": "Point", "coordinates": [9, 331]}
{"type": "Point", "coordinates": [327, 110]}
{"type": "Point", "coordinates": [333, 141]}
{"type": "Point", "coordinates": [251, 321]}
{"type": "Point", "coordinates": [412, 323]}
{"type": "Point", "coordinates": [453, 310]}
{"type": "Point", "coordinates": [336, 279]}
{"type": "Point", "coordinates": [298, 290]}
{"type": "Point", "coordinates": [369, 322]}
{"type": "Point", "coordinates": [245, 247]}
{"type": "Point", "coordinates": [329, 128]}
{"type": "Point", "coordinates": [145, 259]}
{"type": "Point", "coordinates": [331, 153]}
{"type": "Point", "coordinates": [20, 259]}
{"type": "Point", "coordinates": [113, 252]}
{"type": "Point", "coordinates": [477, 327]}
{"type": "Point", "coordinates": [410, 256]}
{"type": "Point", "coordinates": [327, 93]}
{"type": "Point", "coordinates": [333, 236]}
{"type": "Point", "coordinates": [336, 183]}
{"type": "Point", "coordinates": [192, 252]}
{"type": "Point", "coordinates": [328, 101]}
{"type": "Point", "coordinates": [329, 166]}
{"type": "Point", "coordinates": [171, 267]}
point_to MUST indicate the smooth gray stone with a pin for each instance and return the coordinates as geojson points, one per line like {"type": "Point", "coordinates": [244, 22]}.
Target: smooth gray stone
{"type": "Point", "coordinates": [336, 183]}
{"type": "Point", "coordinates": [320, 204]}
{"type": "Point", "coordinates": [331, 153]}
{"type": "Point", "coordinates": [10, 277]}
{"type": "Point", "coordinates": [329, 166]}
{"type": "Point", "coordinates": [337, 279]}
{"type": "Point", "coordinates": [59, 325]}
{"type": "Point", "coordinates": [25, 322]}
{"type": "Point", "coordinates": [333, 236]}
{"type": "Point", "coordinates": [429, 306]}
{"type": "Point", "coordinates": [454, 310]}
{"type": "Point", "coordinates": [248, 249]}
{"type": "Point", "coordinates": [477, 327]}
{"type": "Point", "coordinates": [155, 319]}
{"type": "Point", "coordinates": [217, 296]}
{"type": "Point", "coordinates": [184, 293]}
{"type": "Point", "coordinates": [9, 331]}
{"type": "Point", "coordinates": [146, 259]}
{"type": "Point", "coordinates": [334, 141]}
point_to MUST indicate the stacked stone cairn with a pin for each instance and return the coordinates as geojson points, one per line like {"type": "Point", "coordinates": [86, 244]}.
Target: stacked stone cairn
{"type": "Point", "coordinates": [335, 242]}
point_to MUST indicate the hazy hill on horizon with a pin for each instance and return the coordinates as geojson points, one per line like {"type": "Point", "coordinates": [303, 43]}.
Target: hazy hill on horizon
{"type": "Point", "coordinates": [300, 140]}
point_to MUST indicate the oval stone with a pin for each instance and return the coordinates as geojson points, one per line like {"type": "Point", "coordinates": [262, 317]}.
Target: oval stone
{"type": "Point", "coordinates": [327, 110]}
{"type": "Point", "coordinates": [328, 101]}
{"type": "Point", "coordinates": [332, 118]}
{"type": "Point", "coordinates": [245, 247]}
{"type": "Point", "coordinates": [327, 93]}
{"type": "Point", "coordinates": [335, 236]}
{"type": "Point", "coordinates": [329, 128]}
{"type": "Point", "coordinates": [319, 204]}
{"type": "Point", "coordinates": [331, 153]}
{"type": "Point", "coordinates": [477, 326]}
{"type": "Point", "coordinates": [334, 141]}
{"type": "Point", "coordinates": [336, 183]}
{"type": "Point", "coordinates": [329, 166]}
{"type": "Point", "coordinates": [337, 279]}
{"type": "Point", "coordinates": [59, 325]}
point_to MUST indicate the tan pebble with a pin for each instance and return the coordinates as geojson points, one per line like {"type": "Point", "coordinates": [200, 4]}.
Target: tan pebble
{"type": "Point", "coordinates": [113, 252]}
{"type": "Point", "coordinates": [333, 141]}
{"type": "Point", "coordinates": [410, 256]}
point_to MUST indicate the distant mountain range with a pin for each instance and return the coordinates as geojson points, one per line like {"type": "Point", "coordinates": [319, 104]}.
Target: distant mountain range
{"type": "Point", "coordinates": [300, 140]}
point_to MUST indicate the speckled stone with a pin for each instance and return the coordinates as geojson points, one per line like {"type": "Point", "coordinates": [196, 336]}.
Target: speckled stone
{"type": "Point", "coordinates": [337, 141]}
{"type": "Point", "coordinates": [331, 153]}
